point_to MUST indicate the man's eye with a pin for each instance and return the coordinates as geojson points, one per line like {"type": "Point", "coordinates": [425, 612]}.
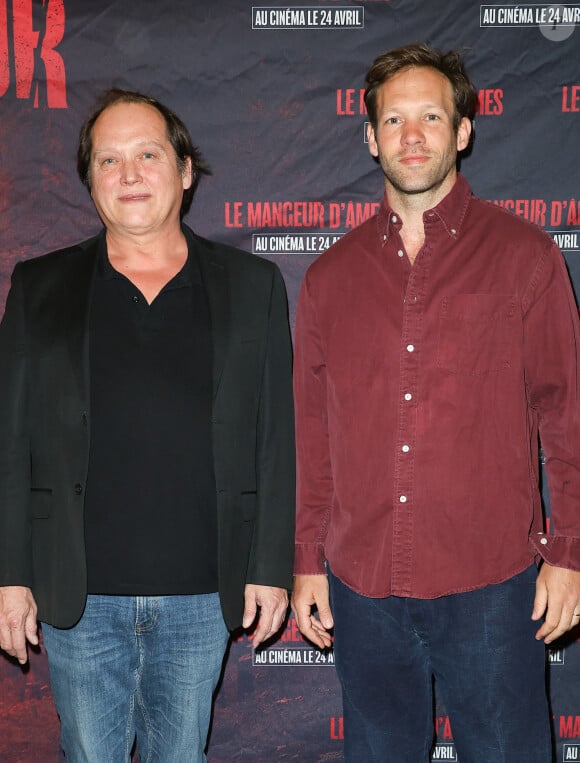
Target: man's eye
{"type": "Point", "coordinates": [107, 161]}
{"type": "Point", "coordinates": [432, 117]}
{"type": "Point", "coordinates": [393, 120]}
{"type": "Point", "coordinates": [148, 155]}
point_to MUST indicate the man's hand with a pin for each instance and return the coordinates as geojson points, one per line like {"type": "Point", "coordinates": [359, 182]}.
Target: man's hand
{"type": "Point", "coordinates": [17, 621]}
{"type": "Point", "coordinates": [273, 605]}
{"type": "Point", "coordinates": [558, 597]}
{"type": "Point", "coordinates": [309, 591]}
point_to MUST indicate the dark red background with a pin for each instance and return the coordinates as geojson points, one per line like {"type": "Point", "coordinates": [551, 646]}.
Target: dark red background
{"type": "Point", "coordinates": [277, 114]}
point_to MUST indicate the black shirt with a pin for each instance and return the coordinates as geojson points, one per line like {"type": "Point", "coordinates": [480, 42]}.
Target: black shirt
{"type": "Point", "coordinates": [150, 507]}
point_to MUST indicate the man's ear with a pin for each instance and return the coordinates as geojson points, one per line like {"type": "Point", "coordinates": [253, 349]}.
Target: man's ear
{"type": "Point", "coordinates": [463, 133]}
{"type": "Point", "coordinates": [372, 141]}
{"type": "Point", "coordinates": [187, 173]}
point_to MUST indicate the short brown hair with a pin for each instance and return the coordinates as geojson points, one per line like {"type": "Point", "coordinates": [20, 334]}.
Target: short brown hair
{"type": "Point", "coordinates": [177, 134]}
{"type": "Point", "coordinates": [419, 54]}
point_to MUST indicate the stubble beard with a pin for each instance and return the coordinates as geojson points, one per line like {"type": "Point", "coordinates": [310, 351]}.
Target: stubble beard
{"type": "Point", "coordinates": [404, 182]}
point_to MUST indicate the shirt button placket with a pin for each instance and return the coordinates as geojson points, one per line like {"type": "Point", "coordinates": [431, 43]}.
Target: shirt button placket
{"type": "Point", "coordinates": [404, 459]}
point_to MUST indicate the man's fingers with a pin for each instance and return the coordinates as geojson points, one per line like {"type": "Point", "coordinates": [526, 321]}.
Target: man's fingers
{"type": "Point", "coordinates": [557, 623]}
{"type": "Point", "coordinates": [540, 601]}
{"type": "Point", "coordinates": [31, 630]}
{"type": "Point", "coordinates": [17, 621]}
{"type": "Point", "coordinates": [325, 617]}
{"type": "Point", "coordinates": [19, 646]}
{"type": "Point", "coordinates": [272, 604]}
{"type": "Point", "coordinates": [250, 611]}
{"type": "Point", "coordinates": [270, 621]}
{"type": "Point", "coordinates": [312, 591]}
{"type": "Point", "coordinates": [313, 629]}
{"type": "Point", "coordinates": [558, 597]}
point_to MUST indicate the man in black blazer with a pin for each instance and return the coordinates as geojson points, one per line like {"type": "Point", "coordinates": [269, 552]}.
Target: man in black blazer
{"type": "Point", "coordinates": [147, 455]}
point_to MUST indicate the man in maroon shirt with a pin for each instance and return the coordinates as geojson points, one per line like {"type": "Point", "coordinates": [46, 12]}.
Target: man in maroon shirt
{"type": "Point", "coordinates": [434, 345]}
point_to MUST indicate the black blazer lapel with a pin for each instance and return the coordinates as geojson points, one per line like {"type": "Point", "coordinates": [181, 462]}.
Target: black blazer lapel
{"type": "Point", "coordinates": [77, 289]}
{"type": "Point", "coordinates": [215, 278]}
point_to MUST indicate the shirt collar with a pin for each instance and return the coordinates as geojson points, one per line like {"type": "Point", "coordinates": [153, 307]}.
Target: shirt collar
{"type": "Point", "coordinates": [188, 275]}
{"type": "Point", "coordinates": [451, 211]}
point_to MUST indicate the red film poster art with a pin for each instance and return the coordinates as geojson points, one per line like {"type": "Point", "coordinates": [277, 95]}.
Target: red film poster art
{"type": "Point", "coordinates": [27, 56]}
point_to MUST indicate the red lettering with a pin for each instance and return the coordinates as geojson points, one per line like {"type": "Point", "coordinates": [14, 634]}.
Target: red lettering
{"type": "Point", "coordinates": [53, 63]}
{"type": "Point", "coordinates": [357, 212]}
{"type": "Point", "coordinates": [26, 39]}
{"type": "Point", "coordinates": [443, 727]}
{"type": "Point", "coordinates": [569, 726]}
{"type": "Point", "coordinates": [337, 728]}
{"type": "Point", "coordinates": [362, 108]}
{"type": "Point", "coordinates": [233, 216]}
{"type": "Point", "coordinates": [573, 212]}
{"type": "Point", "coordinates": [291, 632]}
{"type": "Point", "coordinates": [25, 42]}
{"type": "Point", "coordinates": [571, 98]}
{"type": "Point", "coordinates": [490, 102]}
{"type": "Point", "coordinates": [4, 64]}
{"type": "Point", "coordinates": [350, 101]}
{"type": "Point", "coordinates": [346, 103]}
{"type": "Point", "coordinates": [532, 209]}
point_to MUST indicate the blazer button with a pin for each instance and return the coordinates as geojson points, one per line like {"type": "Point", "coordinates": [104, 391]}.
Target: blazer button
{"type": "Point", "coordinates": [78, 488]}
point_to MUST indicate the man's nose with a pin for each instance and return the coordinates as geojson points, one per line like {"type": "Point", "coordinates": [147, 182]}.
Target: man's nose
{"type": "Point", "coordinates": [413, 133]}
{"type": "Point", "coordinates": [130, 172]}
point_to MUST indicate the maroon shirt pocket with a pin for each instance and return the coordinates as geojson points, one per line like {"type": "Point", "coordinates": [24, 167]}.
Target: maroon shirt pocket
{"type": "Point", "coordinates": [477, 334]}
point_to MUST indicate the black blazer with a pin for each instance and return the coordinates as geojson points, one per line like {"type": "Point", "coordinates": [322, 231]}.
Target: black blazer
{"type": "Point", "coordinates": [45, 422]}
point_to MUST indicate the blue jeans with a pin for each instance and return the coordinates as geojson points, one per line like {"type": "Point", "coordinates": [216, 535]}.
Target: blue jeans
{"type": "Point", "coordinates": [480, 649]}
{"type": "Point", "coordinates": [137, 665]}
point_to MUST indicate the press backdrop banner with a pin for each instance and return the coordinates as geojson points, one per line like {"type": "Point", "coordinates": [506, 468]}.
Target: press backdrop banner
{"type": "Point", "coordinates": [272, 95]}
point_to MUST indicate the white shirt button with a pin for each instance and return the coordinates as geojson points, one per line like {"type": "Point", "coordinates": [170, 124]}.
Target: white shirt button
{"type": "Point", "coordinates": [410, 347]}
{"type": "Point", "coordinates": [408, 396]}
{"type": "Point", "coordinates": [544, 541]}
{"type": "Point", "coordinates": [453, 231]}
{"type": "Point", "coordinates": [384, 236]}
{"type": "Point", "coordinates": [403, 499]}
{"type": "Point", "coordinates": [405, 448]}
{"type": "Point", "coordinates": [394, 218]}
{"type": "Point", "coordinates": [400, 252]}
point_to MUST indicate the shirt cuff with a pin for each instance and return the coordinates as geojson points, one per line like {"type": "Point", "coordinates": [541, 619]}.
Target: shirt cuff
{"type": "Point", "coordinates": [309, 559]}
{"type": "Point", "coordinates": [558, 550]}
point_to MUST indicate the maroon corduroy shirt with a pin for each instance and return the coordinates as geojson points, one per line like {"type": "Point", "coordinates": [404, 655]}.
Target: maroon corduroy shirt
{"type": "Point", "coordinates": [420, 391]}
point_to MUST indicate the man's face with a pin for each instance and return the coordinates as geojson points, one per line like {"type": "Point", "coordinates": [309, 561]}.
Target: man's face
{"type": "Point", "coordinates": [136, 184]}
{"type": "Point", "coordinates": [414, 139]}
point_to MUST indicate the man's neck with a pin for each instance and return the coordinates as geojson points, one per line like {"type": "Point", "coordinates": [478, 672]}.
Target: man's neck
{"type": "Point", "coordinates": [410, 208]}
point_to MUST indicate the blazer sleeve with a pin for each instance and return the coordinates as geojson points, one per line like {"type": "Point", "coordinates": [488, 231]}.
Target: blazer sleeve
{"type": "Point", "coordinates": [15, 525]}
{"type": "Point", "coordinates": [271, 555]}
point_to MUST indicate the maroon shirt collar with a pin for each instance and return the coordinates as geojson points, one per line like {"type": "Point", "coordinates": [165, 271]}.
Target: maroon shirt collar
{"type": "Point", "coordinates": [450, 211]}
